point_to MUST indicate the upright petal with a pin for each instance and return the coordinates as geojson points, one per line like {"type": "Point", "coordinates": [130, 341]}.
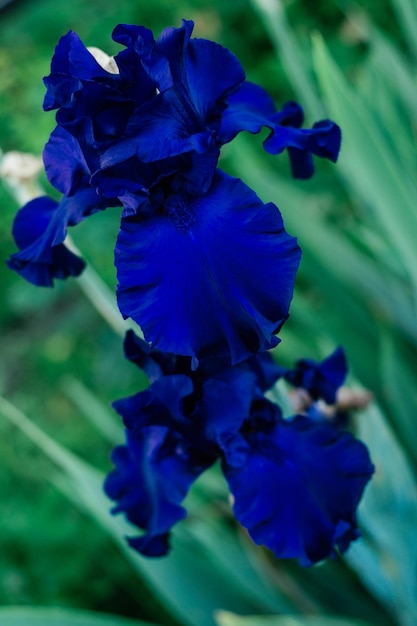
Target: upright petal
{"type": "Point", "coordinates": [212, 274]}
{"type": "Point", "coordinates": [194, 78]}
{"type": "Point", "coordinates": [71, 64]}
{"type": "Point", "coordinates": [202, 73]}
{"type": "Point", "coordinates": [320, 379]}
{"type": "Point", "coordinates": [299, 488]}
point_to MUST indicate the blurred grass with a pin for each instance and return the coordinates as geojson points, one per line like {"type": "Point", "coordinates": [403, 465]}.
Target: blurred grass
{"type": "Point", "coordinates": [356, 287]}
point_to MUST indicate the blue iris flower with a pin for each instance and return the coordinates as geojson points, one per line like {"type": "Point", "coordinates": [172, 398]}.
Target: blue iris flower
{"type": "Point", "coordinates": [207, 270]}
{"type": "Point", "coordinates": [295, 483]}
{"type": "Point", "coordinates": [203, 102]}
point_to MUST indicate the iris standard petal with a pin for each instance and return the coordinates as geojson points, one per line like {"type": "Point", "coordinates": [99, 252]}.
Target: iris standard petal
{"type": "Point", "coordinates": [71, 64]}
{"type": "Point", "coordinates": [321, 379]}
{"type": "Point", "coordinates": [298, 490]}
{"type": "Point", "coordinates": [194, 78]}
{"type": "Point", "coordinates": [213, 274]}
{"type": "Point", "coordinates": [158, 130]}
{"type": "Point", "coordinates": [153, 474]}
{"type": "Point", "coordinates": [65, 165]}
{"type": "Point", "coordinates": [203, 73]}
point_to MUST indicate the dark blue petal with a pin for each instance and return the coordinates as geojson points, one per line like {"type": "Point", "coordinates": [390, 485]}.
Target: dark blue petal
{"type": "Point", "coordinates": [251, 109]}
{"type": "Point", "coordinates": [320, 379]}
{"type": "Point", "coordinates": [40, 228]}
{"type": "Point", "coordinates": [71, 64]}
{"type": "Point", "coordinates": [194, 78]}
{"type": "Point", "coordinates": [160, 405]}
{"type": "Point", "coordinates": [267, 371]}
{"type": "Point", "coordinates": [213, 73]}
{"type": "Point", "coordinates": [322, 140]}
{"type": "Point", "coordinates": [154, 362]}
{"type": "Point", "coordinates": [160, 129]}
{"type": "Point", "coordinates": [134, 184]}
{"type": "Point", "coordinates": [40, 260]}
{"type": "Point", "coordinates": [153, 474]}
{"type": "Point", "coordinates": [219, 415]}
{"type": "Point", "coordinates": [135, 82]}
{"type": "Point", "coordinates": [207, 406]}
{"type": "Point", "coordinates": [202, 72]}
{"type": "Point", "coordinates": [187, 279]}
{"type": "Point", "coordinates": [298, 490]}
{"type": "Point", "coordinates": [64, 162]}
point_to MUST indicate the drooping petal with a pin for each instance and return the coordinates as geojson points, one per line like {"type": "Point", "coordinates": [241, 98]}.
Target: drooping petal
{"type": "Point", "coordinates": [39, 261]}
{"type": "Point", "coordinates": [322, 140]}
{"type": "Point", "coordinates": [251, 108]}
{"type": "Point", "coordinates": [212, 274]}
{"type": "Point", "coordinates": [320, 379]}
{"type": "Point", "coordinates": [299, 488]}
{"type": "Point", "coordinates": [219, 415]}
{"type": "Point", "coordinates": [152, 476]}
{"type": "Point", "coordinates": [39, 230]}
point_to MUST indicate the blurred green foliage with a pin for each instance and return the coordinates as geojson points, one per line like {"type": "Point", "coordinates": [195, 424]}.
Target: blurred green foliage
{"type": "Point", "coordinates": [357, 286]}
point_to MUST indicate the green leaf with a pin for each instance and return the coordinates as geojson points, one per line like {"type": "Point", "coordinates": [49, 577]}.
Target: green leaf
{"type": "Point", "coordinates": [228, 619]}
{"type": "Point", "coordinates": [98, 414]}
{"type": "Point", "coordinates": [395, 68]}
{"type": "Point", "coordinates": [406, 11]}
{"type": "Point", "coordinates": [46, 616]}
{"type": "Point", "coordinates": [368, 162]}
{"type": "Point", "coordinates": [385, 557]}
{"type": "Point", "coordinates": [398, 379]}
{"type": "Point", "coordinates": [289, 52]}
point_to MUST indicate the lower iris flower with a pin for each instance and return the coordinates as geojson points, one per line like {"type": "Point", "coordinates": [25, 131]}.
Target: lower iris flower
{"type": "Point", "coordinates": [296, 483]}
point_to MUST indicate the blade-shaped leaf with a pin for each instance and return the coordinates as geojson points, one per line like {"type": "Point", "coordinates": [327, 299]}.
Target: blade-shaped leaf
{"type": "Point", "coordinates": [228, 619]}
{"type": "Point", "coordinates": [368, 163]}
{"type": "Point", "coordinates": [46, 616]}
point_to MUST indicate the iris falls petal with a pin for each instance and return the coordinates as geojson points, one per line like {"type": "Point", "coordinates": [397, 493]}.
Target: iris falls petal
{"type": "Point", "coordinates": [298, 490]}
{"type": "Point", "coordinates": [152, 475]}
{"type": "Point", "coordinates": [213, 274]}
